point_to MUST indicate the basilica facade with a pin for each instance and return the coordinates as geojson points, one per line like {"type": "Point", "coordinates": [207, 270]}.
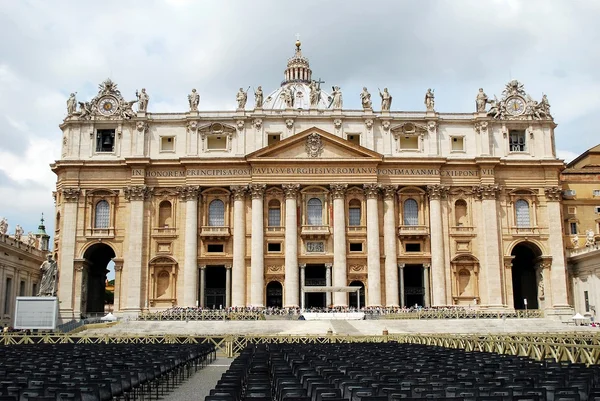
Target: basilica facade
{"type": "Point", "coordinates": [254, 206]}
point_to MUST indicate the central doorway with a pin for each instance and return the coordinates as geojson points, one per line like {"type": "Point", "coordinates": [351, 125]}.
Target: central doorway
{"type": "Point", "coordinates": [524, 280]}
{"type": "Point", "coordinates": [314, 275]}
{"type": "Point", "coordinates": [274, 295]}
{"type": "Point", "coordinates": [215, 287]}
{"type": "Point", "coordinates": [414, 289]}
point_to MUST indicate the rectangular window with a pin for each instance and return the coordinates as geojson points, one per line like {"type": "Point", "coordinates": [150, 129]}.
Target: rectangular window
{"type": "Point", "coordinates": [167, 144]}
{"type": "Point", "coordinates": [413, 247]}
{"type": "Point", "coordinates": [105, 140]}
{"type": "Point", "coordinates": [587, 301]}
{"type": "Point", "coordinates": [572, 210]}
{"type": "Point", "coordinates": [354, 138]}
{"type": "Point", "coordinates": [22, 288]}
{"type": "Point", "coordinates": [517, 141]}
{"type": "Point", "coordinates": [7, 295]}
{"type": "Point", "coordinates": [356, 247]}
{"type": "Point", "coordinates": [573, 227]}
{"type": "Point", "coordinates": [214, 248]}
{"type": "Point", "coordinates": [597, 209]}
{"type": "Point", "coordinates": [273, 138]}
{"type": "Point", "coordinates": [274, 217]}
{"type": "Point", "coordinates": [409, 143]}
{"type": "Point", "coordinates": [216, 142]}
{"type": "Point", "coordinates": [596, 192]}
{"type": "Point", "coordinates": [458, 144]}
{"type": "Point", "coordinates": [274, 247]}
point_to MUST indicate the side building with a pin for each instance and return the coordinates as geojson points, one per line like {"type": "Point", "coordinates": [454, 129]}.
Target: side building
{"type": "Point", "coordinates": [252, 207]}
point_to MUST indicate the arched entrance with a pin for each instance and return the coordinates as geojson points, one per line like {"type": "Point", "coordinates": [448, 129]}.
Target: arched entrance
{"type": "Point", "coordinates": [274, 295]}
{"type": "Point", "coordinates": [352, 303]}
{"type": "Point", "coordinates": [215, 287]}
{"type": "Point", "coordinates": [94, 295]}
{"type": "Point", "coordinates": [524, 279]}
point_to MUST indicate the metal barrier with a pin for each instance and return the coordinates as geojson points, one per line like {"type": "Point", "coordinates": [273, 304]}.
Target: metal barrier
{"type": "Point", "coordinates": [201, 315]}
{"type": "Point", "coordinates": [464, 314]}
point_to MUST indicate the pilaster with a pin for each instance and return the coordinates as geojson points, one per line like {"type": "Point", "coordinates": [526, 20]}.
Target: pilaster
{"type": "Point", "coordinates": [257, 269]}
{"type": "Point", "coordinates": [291, 280]}
{"type": "Point", "coordinates": [70, 197]}
{"type": "Point", "coordinates": [189, 195]}
{"type": "Point", "coordinates": [238, 298]}
{"type": "Point", "coordinates": [373, 252]}
{"type": "Point", "coordinates": [438, 277]}
{"type": "Point", "coordinates": [390, 248]}
{"type": "Point", "coordinates": [340, 274]}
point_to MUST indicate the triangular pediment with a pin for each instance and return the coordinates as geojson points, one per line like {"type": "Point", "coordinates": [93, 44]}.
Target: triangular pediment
{"type": "Point", "coordinates": [314, 144]}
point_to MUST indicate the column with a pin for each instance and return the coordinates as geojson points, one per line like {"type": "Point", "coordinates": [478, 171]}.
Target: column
{"type": "Point", "coordinates": [189, 195]}
{"type": "Point", "coordinates": [508, 288]}
{"type": "Point", "coordinates": [438, 279]}
{"type": "Point", "coordinates": [340, 275]}
{"type": "Point", "coordinates": [302, 284]}
{"type": "Point", "coordinates": [401, 276]}
{"type": "Point", "coordinates": [118, 268]}
{"type": "Point", "coordinates": [491, 244]}
{"type": "Point", "coordinates": [228, 286]}
{"type": "Point", "coordinates": [136, 195]}
{"type": "Point", "coordinates": [201, 301]}
{"type": "Point", "coordinates": [239, 249]}
{"type": "Point", "coordinates": [558, 271]}
{"type": "Point", "coordinates": [373, 257]}
{"type": "Point", "coordinates": [426, 278]}
{"type": "Point", "coordinates": [70, 199]}
{"type": "Point", "coordinates": [291, 247]}
{"type": "Point", "coordinates": [257, 269]}
{"type": "Point", "coordinates": [328, 283]}
{"type": "Point", "coordinates": [389, 242]}
{"type": "Point", "coordinates": [81, 270]}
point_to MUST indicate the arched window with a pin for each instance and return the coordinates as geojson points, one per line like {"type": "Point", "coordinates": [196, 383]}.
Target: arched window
{"type": "Point", "coordinates": [460, 212]}
{"type": "Point", "coordinates": [411, 213]}
{"type": "Point", "coordinates": [315, 212]}
{"type": "Point", "coordinates": [522, 211]}
{"type": "Point", "coordinates": [216, 213]}
{"type": "Point", "coordinates": [164, 214]}
{"type": "Point", "coordinates": [274, 213]}
{"type": "Point", "coordinates": [354, 213]}
{"type": "Point", "coordinates": [102, 215]}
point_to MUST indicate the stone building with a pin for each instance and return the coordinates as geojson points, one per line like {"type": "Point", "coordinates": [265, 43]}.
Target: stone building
{"type": "Point", "coordinates": [249, 207]}
{"type": "Point", "coordinates": [20, 259]}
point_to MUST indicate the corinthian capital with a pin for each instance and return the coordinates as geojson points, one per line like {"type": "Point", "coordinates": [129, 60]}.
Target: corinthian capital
{"type": "Point", "coordinates": [338, 190]}
{"type": "Point", "coordinates": [257, 191]}
{"type": "Point", "coordinates": [372, 190]}
{"type": "Point", "coordinates": [489, 191]}
{"type": "Point", "coordinates": [437, 191]}
{"type": "Point", "coordinates": [291, 190]}
{"type": "Point", "coordinates": [137, 192]}
{"type": "Point", "coordinates": [553, 193]}
{"type": "Point", "coordinates": [389, 191]}
{"type": "Point", "coordinates": [238, 191]}
{"type": "Point", "coordinates": [188, 192]}
{"type": "Point", "coordinates": [71, 194]}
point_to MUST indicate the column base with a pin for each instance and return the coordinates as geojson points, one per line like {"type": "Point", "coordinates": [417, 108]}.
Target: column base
{"type": "Point", "coordinates": [560, 312]}
{"type": "Point", "coordinates": [130, 314]}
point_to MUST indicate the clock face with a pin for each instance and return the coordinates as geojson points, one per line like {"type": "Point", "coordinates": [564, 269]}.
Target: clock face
{"type": "Point", "coordinates": [515, 106]}
{"type": "Point", "coordinates": [107, 105]}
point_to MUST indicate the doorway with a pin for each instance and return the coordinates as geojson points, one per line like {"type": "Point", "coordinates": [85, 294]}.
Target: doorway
{"type": "Point", "coordinates": [274, 295]}
{"type": "Point", "coordinates": [352, 302]}
{"type": "Point", "coordinates": [524, 279]}
{"type": "Point", "coordinates": [94, 296]}
{"type": "Point", "coordinates": [414, 289]}
{"type": "Point", "coordinates": [215, 287]}
{"type": "Point", "coordinates": [314, 275]}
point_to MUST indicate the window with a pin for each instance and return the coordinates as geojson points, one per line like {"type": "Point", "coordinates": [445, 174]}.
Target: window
{"type": "Point", "coordinates": [34, 290]}
{"type": "Point", "coordinates": [573, 227]}
{"type": "Point", "coordinates": [413, 247]}
{"type": "Point", "coordinates": [274, 218]}
{"type": "Point", "coordinates": [274, 247]}
{"type": "Point", "coordinates": [167, 144]}
{"type": "Point", "coordinates": [216, 213]}
{"type": "Point", "coordinates": [597, 209]}
{"type": "Point", "coordinates": [315, 212]}
{"type": "Point", "coordinates": [596, 192]}
{"type": "Point", "coordinates": [409, 142]}
{"type": "Point", "coordinates": [214, 248]}
{"type": "Point", "coordinates": [460, 212]}
{"type": "Point", "coordinates": [105, 140]}
{"type": "Point", "coordinates": [7, 295]}
{"type": "Point", "coordinates": [356, 247]}
{"type": "Point", "coordinates": [411, 212]}
{"type": "Point", "coordinates": [354, 213]}
{"type": "Point", "coordinates": [162, 283]}
{"type": "Point", "coordinates": [458, 144]}
{"type": "Point", "coordinates": [216, 142]}
{"type": "Point", "coordinates": [102, 216]}
{"type": "Point", "coordinates": [517, 141]}
{"type": "Point", "coordinates": [522, 211]}
{"type": "Point", "coordinates": [587, 301]}
{"type": "Point", "coordinates": [164, 214]}
{"type": "Point", "coordinates": [22, 288]}
{"type": "Point", "coordinates": [354, 138]}
{"type": "Point", "coordinates": [273, 138]}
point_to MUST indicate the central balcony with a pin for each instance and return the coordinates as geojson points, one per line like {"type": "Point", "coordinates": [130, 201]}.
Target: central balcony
{"type": "Point", "coordinates": [413, 231]}
{"type": "Point", "coordinates": [100, 232]}
{"type": "Point", "coordinates": [315, 231]}
{"type": "Point", "coordinates": [215, 232]}
{"type": "Point", "coordinates": [164, 232]}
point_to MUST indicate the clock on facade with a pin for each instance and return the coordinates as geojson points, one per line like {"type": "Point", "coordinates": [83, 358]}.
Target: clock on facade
{"type": "Point", "coordinates": [515, 106]}
{"type": "Point", "coordinates": [107, 105]}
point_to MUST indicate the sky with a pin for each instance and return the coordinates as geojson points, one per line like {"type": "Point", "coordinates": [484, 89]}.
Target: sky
{"type": "Point", "coordinates": [52, 48]}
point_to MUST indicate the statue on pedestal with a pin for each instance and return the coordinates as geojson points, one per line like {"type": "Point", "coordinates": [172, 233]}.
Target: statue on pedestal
{"type": "Point", "coordinates": [386, 100]}
{"type": "Point", "coordinates": [19, 232]}
{"type": "Point", "coordinates": [365, 99]}
{"type": "Point", "coordinates": [589, 238]}
{"type": "Point", "coordinates": [48, 284]}
{"type": "Point", "coordinates": [258, 98]}
{"type": "Point", "coordinates": [481, 101]}
{"type": "Point", "coordinates": [335, 100]}
{"type": "Point", "coordinates": [194, 100]}
{"type": "Point", "coordinates": [241, 98]}
{"type": "Point", "coordinates": [315, 94]}
{"type": "Point", "coordinates": [143, 99]}
{"type": "Point", "coordinates": [71, 105]}
{"type": "Point", "coordinates": [3, 226]}
{"type": "Point", "coordinates": [429, 100]}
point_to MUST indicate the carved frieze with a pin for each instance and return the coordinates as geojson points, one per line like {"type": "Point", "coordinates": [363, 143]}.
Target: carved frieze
{"type": "Point", "coordinates": [314, 145]}
{"type": "Point", "coordinates": [137, 192]}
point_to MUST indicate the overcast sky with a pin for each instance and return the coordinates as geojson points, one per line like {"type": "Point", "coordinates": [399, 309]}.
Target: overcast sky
{"type": "Point", "coordinates": [51, 48]}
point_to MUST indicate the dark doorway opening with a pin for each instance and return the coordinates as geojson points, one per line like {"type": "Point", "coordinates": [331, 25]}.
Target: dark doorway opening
{"type": "Point", "coordinates": [214, 289]}
{"type": "Point", "coordinates": [524, 280]}
{"type": "Point", "coordinates": [414, 289]}
{"type": "Point", "coordinates": [314, 275]}
{"type": "Point", "coordinates": [94, 296]}
{"type": "Point", "coordinates": [352, 295]}
{"type": "Point", "coordinates": [274, 295]}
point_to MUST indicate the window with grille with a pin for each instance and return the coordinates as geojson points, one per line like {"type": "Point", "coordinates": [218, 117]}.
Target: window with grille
{"type": "Point", "coordinates": [102, 218]}
{"type": "Point", "coordinates": [522, 211]}
{"type": "Point", "coordinates": [573, 227]}
{"type": "Point", "coordinates": [216, 213]}
{"type": "Point", "coordinates": [274, 214]}
{"type": "Point", "coordinates": [411, 212]}
{"type": "Point", "coordinates": [517, 141]}
{"type": "Point", "coordinates": [354, 213]}
{"type": "Point", "coordinates": [315, 212]}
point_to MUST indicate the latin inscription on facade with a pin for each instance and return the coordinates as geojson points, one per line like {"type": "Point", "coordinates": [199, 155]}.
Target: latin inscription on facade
{"type": "Point", "coordinates": [315, 247]}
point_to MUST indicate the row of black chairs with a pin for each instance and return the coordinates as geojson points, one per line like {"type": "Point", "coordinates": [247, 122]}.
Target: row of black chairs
{"type": "Point", "coordinates": [97, 372]}
{"type": "Point", "coordinates": [394, 372]}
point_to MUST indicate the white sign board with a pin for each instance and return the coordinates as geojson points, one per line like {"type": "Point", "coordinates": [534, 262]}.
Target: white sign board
{"type": "Point", "coordinates": [36, 313]}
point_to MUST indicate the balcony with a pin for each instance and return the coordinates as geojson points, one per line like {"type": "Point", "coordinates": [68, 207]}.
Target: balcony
{"type": "Point", "coordinates": [525, 231]}
{"type": "Point", "coordinates": [356, 231]}
{"type": "Point", "coordinates": [413, 231]}
{"type": "Point", "coordinates": [100, 232]}
{"type": "Point", "coordinates": [462, 231]}
{"type": "Point", "coordinates": [315, 231]}
{"type": "Point", "coordinates": [274, 231]}
{"type": "Point", "coordinates": [215, 232]}
{"type": "Point", "coordinates": [164, 232]}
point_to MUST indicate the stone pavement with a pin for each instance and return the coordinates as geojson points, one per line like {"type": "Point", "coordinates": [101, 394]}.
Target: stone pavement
{"type": "Point", "coordinates": [199, 385]}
